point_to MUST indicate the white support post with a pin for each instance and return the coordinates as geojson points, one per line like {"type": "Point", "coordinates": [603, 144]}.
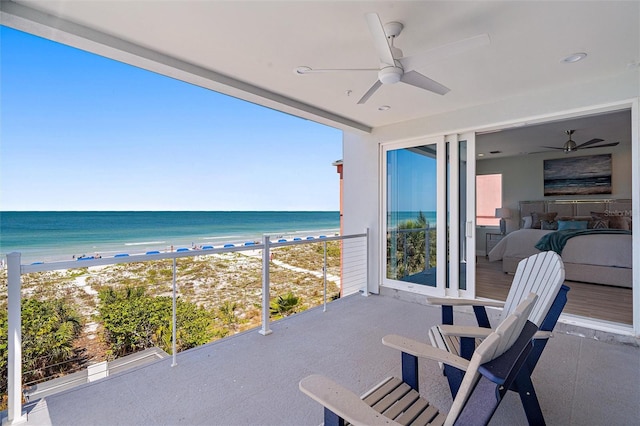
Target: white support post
{"type": "Point", "coordinates": [174, 319]}
{"type": "Point", "coordinates": [365, 291]}
{"type": "Point", "coordinates": [14, 337]}
{"type": "Point", "coordinates": [265, 287]}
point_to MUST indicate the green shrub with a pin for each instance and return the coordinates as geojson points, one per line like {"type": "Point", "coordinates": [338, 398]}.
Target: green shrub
{"type": "Point", "coordinates": [134, 321]}
{"type": "Point", "coordinates": [48, 330]}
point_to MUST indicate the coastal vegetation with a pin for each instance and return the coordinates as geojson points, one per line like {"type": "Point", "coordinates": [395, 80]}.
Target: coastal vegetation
{"type": "Point", "coordinates": [411, 248]}
{"type": "Point", "coordinates": [73, 317]}
{"type": "Point", "coordinates": [134, 320]}
{"type": "Point", "coordinates": [49, 330]}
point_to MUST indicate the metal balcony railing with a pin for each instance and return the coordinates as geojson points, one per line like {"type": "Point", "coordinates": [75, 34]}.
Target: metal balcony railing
{"type": "Point", "coordinates": [174, 275]}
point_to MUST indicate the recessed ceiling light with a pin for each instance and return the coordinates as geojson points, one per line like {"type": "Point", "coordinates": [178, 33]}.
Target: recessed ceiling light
{"type": "Point", "coordinates": [384, 108]}
{"type": "Point", "coordinates": [480, 155]}
{"type": "Point", "coordinates": [575, 57]}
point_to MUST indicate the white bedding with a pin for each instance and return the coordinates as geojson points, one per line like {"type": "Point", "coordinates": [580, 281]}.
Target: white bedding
{"type": "Point", "coordinates": [601, 250]}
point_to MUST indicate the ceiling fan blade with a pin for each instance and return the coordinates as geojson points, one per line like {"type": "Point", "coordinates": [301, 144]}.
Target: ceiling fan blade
{"type": "Point", "coordinates": [416, 79]}
{"type": "Point", "coordinates": [601, 146]}
{"type": "Point", "coordinates": [370, 92]}
{"type": "Point", "coordinates": [437, 53]}
{"type": "Point", "coordinates": [308, 70]}
{"type": "Point", "coordinates": [380, 39]}
{"type": "Point", "coordinates": [553, 147]}
{"type": "Point", "coordinates": [591, 142]}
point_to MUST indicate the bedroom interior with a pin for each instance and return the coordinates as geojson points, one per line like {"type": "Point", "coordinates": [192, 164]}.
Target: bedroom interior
{"type": "Point", "coordinates": [601, 288]}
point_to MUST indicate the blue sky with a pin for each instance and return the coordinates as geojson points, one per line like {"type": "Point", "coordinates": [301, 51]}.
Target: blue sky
{"type": "Point", "coordinates": [82, 132]}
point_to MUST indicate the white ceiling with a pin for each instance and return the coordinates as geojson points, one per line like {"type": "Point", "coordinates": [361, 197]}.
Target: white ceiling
{"type": "Point", "coordinates": [533, 139]}
{"type": "Point", "coordinates": [262, 42]}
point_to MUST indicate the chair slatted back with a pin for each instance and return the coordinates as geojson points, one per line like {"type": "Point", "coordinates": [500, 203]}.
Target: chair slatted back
{"type": "Point", "coordinates": [543, 274]}
{"type": "Point", "coordinates": [492, 347]}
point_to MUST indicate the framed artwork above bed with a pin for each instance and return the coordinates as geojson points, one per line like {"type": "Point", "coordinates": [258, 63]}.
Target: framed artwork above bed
{"type": "Point", "coordinates": [578, 175]}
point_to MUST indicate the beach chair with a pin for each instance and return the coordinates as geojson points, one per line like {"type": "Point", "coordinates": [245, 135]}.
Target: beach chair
{"type": "Point", "coordinates": [492, 367]}
{"type": "Point", "coordinates": [543, 274]}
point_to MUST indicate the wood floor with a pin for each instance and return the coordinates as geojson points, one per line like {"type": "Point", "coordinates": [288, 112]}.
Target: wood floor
{"type": "Point", "coordinates": [588, 300]}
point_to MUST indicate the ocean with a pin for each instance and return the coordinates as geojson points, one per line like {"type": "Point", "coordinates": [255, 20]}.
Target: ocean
{"type": "Point", "coordinates": [54, 236]}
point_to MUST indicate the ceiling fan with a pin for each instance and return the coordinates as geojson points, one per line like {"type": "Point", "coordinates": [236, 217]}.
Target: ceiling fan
{"type": "Point", "coordinates": [394, 67]}
{"type": "Point", "coordinates": [570, 145]}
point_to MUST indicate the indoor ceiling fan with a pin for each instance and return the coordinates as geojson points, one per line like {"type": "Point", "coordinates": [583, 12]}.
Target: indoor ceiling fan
{"type": "Point", "coordinates": [570, 145]}
{"type": "Point", "coordinates": [394, 67]}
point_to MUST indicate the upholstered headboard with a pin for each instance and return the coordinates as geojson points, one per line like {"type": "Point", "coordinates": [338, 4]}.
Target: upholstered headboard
{"type": "Point", "coordinates": [613, 207]}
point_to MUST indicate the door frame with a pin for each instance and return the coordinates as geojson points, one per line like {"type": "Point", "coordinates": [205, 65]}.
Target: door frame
{"type": "Point", "coordinates": [449, 269]}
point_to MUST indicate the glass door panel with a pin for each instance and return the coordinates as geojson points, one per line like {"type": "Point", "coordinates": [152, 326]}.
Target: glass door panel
{"type": "Point", "coordinates": [411, 195]}
{"type": "Point", "coordinates": [429, 240]}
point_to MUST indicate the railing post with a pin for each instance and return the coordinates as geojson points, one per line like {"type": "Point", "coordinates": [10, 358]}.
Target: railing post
{"type": "Point", "coordinates": [365, 291]}
{"type": "Point", "coordinates": [404, 253]}
{"type": "Point", "coordinates": [174, 319]}
{"type": "Point", "coordinates": [324, 273]}
{"type": "Point", "coordinates": [427, 249]}
{"type": "Point", "coordinates": [265, 287]}
{"type": "Point", "coordinates": [14, 340]}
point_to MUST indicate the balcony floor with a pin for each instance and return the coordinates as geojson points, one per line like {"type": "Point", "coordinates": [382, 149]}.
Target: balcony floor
{"type": "Point", "coordinates": [250, 379]}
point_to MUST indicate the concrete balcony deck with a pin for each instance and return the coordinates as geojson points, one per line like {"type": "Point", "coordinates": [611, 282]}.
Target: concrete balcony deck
{"type": "Point", "coordinates": [250, 379]}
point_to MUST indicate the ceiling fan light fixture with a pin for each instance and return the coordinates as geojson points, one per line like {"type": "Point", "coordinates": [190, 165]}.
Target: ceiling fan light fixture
{"type": "Point", "coordinates": [574, 57]}
{"type": "Point", "coordinates": [390, 75]}
{"type": "Point", "coordinates": [570, 146]}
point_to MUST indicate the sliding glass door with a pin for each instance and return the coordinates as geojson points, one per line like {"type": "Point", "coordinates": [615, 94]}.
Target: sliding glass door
{"type": "Point", "coordinates": [425, 197]}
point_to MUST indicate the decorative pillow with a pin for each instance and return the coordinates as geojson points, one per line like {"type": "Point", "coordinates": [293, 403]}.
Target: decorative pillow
{"type": "Point", "coordinates": [599, 224]}
{"type": "Point", "coordinates": [527, 222]}
{"type": "Point", "coordinates": [572, 224]}
{"type": "Point", "coordinates": [619, 222]}
{"type": "Point", "coordinates": [536, 218]}
{"type": "Point", "coordinates": [591, 220]}
{"type": "Point", "coordinates": [549, 225]}
{"type": "Point", "coordinates": [615, 222]}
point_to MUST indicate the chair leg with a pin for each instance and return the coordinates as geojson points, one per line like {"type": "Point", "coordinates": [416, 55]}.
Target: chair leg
{"type": "Point", "coordinates": [447, 314]}
{"type": "Point", "coordinates": [410, 370]}
{"type": "Point", "coordinates": [332, 419]}
{"type": "Point", "coordinates": [467, 347]}
{"type": "Point", "coordinates": [481, 316]}
{"type": "Point", "coordinates": [454, 377]}
{"type": "Point", "coordinates": [523, 385]}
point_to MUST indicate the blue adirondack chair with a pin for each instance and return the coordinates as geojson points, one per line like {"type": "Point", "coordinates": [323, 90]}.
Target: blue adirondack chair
{"type": "Point", "coordinates": [489, 373]}
{"type": "Point", "coordinates": [543, 274]}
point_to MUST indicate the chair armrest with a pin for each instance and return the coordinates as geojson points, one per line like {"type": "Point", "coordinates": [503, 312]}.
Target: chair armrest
{"type": "Point", "coordinates": [454, 301]}
{"type": "Point", "coordinates": [465, 331]}
{"type": "Point", "coordinates": [542, 335]}
{"type": "Point", "coordinates": [422, 350]}
{"type": "Point", "coordinates": [341, 401]}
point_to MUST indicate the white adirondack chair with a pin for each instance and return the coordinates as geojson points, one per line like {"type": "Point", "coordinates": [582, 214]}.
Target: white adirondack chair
{"type": "Point", "coordinates": [542, 274]}
{"type": "Point", "coordinates": [395, 401]}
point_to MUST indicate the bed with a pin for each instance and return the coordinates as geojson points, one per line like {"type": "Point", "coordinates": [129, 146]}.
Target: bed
{"type": "Point", "coordinates": [598, 257]}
